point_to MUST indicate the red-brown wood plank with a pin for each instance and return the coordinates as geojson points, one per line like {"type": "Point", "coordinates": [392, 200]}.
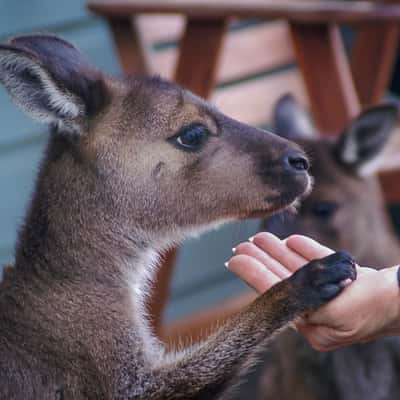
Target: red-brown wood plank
{"type": "Point", "coordinates": [199, 52]}
{"type": "Point", "coordinates": [129, 45]}
{"type": "Point", "coordinates": [297, 11]}
{"type": "Point", "coordinates": [241, 54]}
{"type": "Point", "coordinates": [373, 56]}
{"type": "Point", "coordinates": [322, 60]}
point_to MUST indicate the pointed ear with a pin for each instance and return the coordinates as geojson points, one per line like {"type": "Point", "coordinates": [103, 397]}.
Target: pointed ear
{"type": "Point", "coordinates": [362, 142]}
{"type": "Point", "coordinates": [51, 81]}
{"type": "Point", "coordinates": [290, 120]}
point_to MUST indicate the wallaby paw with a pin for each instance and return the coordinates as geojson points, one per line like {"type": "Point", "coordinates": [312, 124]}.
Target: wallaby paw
{"type": "Point", "coordinates": [322, 280]}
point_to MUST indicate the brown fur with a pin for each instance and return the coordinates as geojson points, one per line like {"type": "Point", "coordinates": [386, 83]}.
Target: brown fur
{"type": "Point", "coordinates": [115, 188]}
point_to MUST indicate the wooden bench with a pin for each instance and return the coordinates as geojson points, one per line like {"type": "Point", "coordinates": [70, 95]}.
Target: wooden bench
{"type": "Point", "coordinates": [245, 66]}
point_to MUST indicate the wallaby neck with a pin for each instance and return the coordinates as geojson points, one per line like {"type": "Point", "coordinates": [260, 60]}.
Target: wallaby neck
{"type": "Point", "coordinates": [79, 261]}
{"type": "Point", "coordinates": [75, 228]}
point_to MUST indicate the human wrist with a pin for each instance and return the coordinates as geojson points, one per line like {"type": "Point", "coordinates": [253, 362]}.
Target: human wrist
{"type": "Point", "coordinates": [391, 284]}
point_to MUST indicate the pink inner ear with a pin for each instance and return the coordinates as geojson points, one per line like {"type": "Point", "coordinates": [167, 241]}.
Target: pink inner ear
{"type": "Point", "coordinates": [70, 87]}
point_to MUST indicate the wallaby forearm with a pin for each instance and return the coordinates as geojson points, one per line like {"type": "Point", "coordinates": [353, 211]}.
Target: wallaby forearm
{"type": "Point", "coordinates": [206, 369]}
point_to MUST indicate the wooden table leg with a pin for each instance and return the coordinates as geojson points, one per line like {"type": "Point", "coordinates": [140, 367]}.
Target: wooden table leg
{"type": "Point", "coordinates": [199, 55]}
{"type": "Point", "coordinates": [129, 46]}
{"type": "Point", "coordinates": [372, 59]}
{"type": "Point", "coordinates": [322, 60]}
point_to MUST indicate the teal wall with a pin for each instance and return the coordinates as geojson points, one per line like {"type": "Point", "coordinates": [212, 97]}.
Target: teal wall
{"type": "Point", "coordinates": [201, 279]}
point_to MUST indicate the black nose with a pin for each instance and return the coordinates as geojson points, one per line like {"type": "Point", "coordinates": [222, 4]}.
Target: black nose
{"type": "Point", "coordinates": [297, 162]}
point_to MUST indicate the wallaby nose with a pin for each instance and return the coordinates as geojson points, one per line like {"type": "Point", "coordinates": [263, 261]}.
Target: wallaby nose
{"type": "Point", "coordinates": [296, 162]}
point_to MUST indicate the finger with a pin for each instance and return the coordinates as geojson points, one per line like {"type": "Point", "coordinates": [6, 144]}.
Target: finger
{"type": "Point", "coordinates": [307, 247]}
{"type": "Point", "coordinates": [278, 250]}
{"type": "Point", "coordinates": [254, 251]}
{"type": "Point", "coordinates": [253, 272]}
{"type": "Point", "coordinates": [365, 270]}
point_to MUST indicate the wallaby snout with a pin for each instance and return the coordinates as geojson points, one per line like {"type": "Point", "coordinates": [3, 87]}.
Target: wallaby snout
{"type": "Point", "coordinates": [272, 171]}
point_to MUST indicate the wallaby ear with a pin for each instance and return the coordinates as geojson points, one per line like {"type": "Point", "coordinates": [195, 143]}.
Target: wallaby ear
{"type": "Point", "coordinates": [51, 81]}
{"type": "Point", "coordinates": [290, 120]}
{"type": "Point", "coordinates": [363, 141]}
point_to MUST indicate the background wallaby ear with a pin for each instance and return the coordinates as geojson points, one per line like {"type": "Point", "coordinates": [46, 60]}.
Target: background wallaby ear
{"type": "Point", "coordinates": [290, 120]}
{"type": "Point", "coordinates": [361, 144]}
{"type": "Point", "coordinates": [50, 80]}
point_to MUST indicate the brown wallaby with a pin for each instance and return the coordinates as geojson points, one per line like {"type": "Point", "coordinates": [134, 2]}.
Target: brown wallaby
{"type": "Point", "coordinates": [132, 167]}
{"type": "Point", "coordinates": [345, 210]}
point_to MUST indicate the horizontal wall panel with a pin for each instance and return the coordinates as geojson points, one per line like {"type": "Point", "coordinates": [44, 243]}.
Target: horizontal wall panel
{"type": "Point", "coordinates": [207, 297]}
{"type": "Point", "coordinates": [95, 42]}
{"type": "Point", "coordinates": [201, 260]}
{"type": "Point", "coordinates": [245, 52]}
{"type": "Point", "coordinates": [35, 15]}
{"type": "Point", "coordinates": [252, 101]}
{"type": "Point", "coordinates": [18, 170]}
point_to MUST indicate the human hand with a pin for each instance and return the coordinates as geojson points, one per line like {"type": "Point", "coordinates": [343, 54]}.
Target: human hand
{"type": "Point", "coordinates": [367, 309]}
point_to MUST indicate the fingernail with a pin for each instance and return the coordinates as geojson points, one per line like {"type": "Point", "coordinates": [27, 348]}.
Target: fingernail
{"type": "Point", "coordinates": [346, 282]}
{"type": "Point", "coordinates": [233, 250]}
{"type": "Point", "coordinates": [251, 239]}
{"type": "Point", "coordinates": [226, 265]}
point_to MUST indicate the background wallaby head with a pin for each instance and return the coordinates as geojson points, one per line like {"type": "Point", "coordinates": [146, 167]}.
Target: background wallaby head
{"type": "Point", "coordinates": [345, 209]}
{"type": "Point", "coordinates": [141, 155]}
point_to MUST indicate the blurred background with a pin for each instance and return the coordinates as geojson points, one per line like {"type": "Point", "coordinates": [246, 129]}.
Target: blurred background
{"type": "Point", "coordinates": [257, 66]}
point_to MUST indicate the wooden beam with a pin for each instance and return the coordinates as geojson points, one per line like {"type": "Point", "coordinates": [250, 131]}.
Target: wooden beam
{"type": "Point", "coordinates": [373, 56]}
{"type": "Point", "coordinates": [199, 52]}
{"type": "Point", "coordinates": [322, 60]}
{"type": "Point", "coordinates": [309, 12]}
{"type": "Point", "coordinates": [129, 46]}
{"type": "Point", "coordinates": [389, 181]}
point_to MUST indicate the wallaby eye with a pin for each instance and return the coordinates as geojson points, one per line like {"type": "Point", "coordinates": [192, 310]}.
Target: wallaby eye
{"type": "Point", "coordinates": [191, 138]}
{"type": "Point", "coordinates": [324, 209]}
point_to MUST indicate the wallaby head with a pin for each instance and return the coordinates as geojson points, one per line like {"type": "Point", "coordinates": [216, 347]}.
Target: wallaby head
{"type": "Point", "coordinates": [132, 158]}
{"type": "Point", "coordinates": [345, 208]}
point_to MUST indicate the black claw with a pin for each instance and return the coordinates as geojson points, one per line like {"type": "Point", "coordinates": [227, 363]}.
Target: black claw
{"type": "Point", "coordinates": [330, 290]}
{"type": "Point", "coordinates": [322, 280]}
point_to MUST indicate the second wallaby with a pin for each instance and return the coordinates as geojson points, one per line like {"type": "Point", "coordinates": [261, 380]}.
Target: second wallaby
{"type": "Point", "coordinates": [132, 167]}
{"type": "Point", "coordinates": [345, 210]}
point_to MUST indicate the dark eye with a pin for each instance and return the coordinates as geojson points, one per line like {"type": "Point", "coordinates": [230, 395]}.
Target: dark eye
{"type": "Point", "coordinates": [191, 138]}
{"type": "Point", "coordinates": [324, 209]}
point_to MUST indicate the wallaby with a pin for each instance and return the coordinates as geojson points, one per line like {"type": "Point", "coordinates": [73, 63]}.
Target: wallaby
{"type": "Point", "coordinates": [345, 210]}
{"type": "Point", "coordinates": [132, 167]}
